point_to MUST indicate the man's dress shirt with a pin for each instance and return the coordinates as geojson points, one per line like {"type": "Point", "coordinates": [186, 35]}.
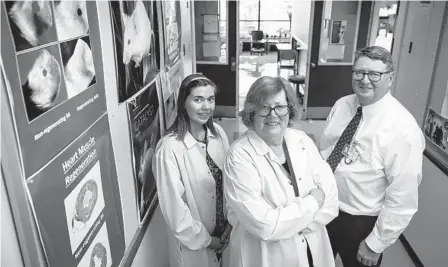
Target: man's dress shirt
{"type": "Point", "coordinates": [383, 181]}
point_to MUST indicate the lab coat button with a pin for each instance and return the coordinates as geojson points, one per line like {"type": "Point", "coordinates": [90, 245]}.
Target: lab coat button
{"type": "Point", "coordinates": [303, 240]}
{"type": "Point", "coordinates": [300, 178]}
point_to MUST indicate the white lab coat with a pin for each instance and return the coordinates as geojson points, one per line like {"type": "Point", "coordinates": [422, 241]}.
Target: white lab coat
{"type": "Point", "coordinates": [186, 191]}
{"type": "Point", "coordinates": [270, 225]}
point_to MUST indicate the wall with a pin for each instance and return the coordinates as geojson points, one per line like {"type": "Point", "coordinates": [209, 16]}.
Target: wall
{"type": "Point", "coordinates": [427, 231]}
{"type": "Point", "coordinates": [10, 252]}
{"type": "Point", "coordinates": [153, 246]}
{"type": "Point", "coordinates": [415, 67]}
{"type": "Point", "coordinates": [300, 24]}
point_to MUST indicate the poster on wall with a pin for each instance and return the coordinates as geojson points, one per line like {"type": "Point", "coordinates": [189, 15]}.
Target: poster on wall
{"type": "Point", "coordinates": [52, 64]}
{"type": "Point", "coordinates": [436, 129]}
{"type": "Point", "coordinates": [76, 202]}
{"type": "Point", "coordinates": [171, 83]}
{"type": "Point", "coordinates": [172, 32]}
{"type": "Point", "coordinates": [144, 117]}
{"type": "Point", "coordinates": [134, 26]}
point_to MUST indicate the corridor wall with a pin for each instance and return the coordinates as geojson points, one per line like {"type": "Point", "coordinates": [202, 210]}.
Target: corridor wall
{"type": "Point", "coordinates": [144, 240]}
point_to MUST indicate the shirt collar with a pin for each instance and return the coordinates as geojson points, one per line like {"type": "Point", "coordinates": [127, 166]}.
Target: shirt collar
{"type": "Point", "coordinates": [190, 141]}
{"type": "Point", "coordinates": [372, 109]}
{"type": "Point", "coordinates": [259, 145]}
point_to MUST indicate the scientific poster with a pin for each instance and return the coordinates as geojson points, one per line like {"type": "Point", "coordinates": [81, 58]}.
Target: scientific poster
{"type": "Point", "coordinates": [134, 25]}
{"type": "Point", "coordinates": [436, 129]}
{"type": "Point", "coordinates": [172, 32]}
{"type": "Point", "coordinates": [74, 197]}
{"type": "Point", "coordinates": [144, 118]}
{"type": "Point", "coordinates": [53, 69]}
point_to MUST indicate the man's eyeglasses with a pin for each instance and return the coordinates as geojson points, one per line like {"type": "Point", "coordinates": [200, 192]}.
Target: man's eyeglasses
{"type": "Point", "coordinates": [281, 111]}
{"type": "Point", "coordinates": [374, 76]}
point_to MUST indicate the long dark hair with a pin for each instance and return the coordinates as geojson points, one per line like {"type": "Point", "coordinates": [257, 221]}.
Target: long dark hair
{"type": "Point", "coordinates": [182, 123]}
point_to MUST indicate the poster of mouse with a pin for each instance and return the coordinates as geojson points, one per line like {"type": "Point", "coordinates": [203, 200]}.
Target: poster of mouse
{"type": "Point", "coordinates": [136, 38]}
{"type": "Point", "coordinates": [172, 32]}
{"type": "Point", "coordinates": [436, 129]}
{"type": "Point", "coordinates": [53, 73]}
{"type": "Point", "coordinates": [144, 118]}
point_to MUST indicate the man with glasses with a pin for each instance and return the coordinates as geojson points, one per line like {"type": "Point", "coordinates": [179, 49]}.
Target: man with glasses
{"type": "Point", "coordinates": [374, 147]}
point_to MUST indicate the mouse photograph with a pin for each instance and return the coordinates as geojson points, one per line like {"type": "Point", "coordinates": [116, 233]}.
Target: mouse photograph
{"type": "Point", "coordinates": [41, 79]}
{"type": "Point", "coordinates": [70, 19]}
{"type": "Point", "coordinates": [134, 26]}
{"type": "Point", "coordinates": [31, 23]}
{"type": "Point", "coordinates": [79, 70]}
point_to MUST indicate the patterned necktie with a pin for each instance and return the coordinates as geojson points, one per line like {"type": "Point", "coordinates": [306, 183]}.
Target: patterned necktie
{"type": "Point", "coordinates": [346, 137]}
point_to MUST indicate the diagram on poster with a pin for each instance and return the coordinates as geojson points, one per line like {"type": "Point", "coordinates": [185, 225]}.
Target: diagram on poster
{"type": "Point", "coordinates": [53, 74]}
{"type": "Point", "coordinates": [79, 70]}
{"type": "Point", "coordinates": [144, 119]}
{"type": "Point", "coordinates": [134, 26]}
{"type": "Point", "coordinates": [31, 23]}
{"type": "Point", "coordinates": [71, 19]}
{"type": "Point", "coordinates": [83, 206]}
{"type": "Point", "coordinates": [98, 254]}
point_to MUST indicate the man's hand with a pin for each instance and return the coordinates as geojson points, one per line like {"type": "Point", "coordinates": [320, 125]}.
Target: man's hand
{"type": "Point", "coordinates": [367, 256]}
{"type": "Point", "coordinates": [319, 195]}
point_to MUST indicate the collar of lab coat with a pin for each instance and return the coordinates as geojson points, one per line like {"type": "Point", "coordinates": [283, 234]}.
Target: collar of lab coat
{"type": "Point", "coordinates": [190, 141]}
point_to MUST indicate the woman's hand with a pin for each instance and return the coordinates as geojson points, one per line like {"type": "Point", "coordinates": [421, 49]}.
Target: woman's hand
{"type": "Point", "coordinates": [225, 238]}
{"type": "Point", "coordinates": [216, 244]}
{"type": "Point", "coordinates": [319, 195]}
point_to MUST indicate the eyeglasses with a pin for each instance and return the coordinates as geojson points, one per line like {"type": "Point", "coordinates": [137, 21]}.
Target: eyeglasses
{"type": "Point", "coordinates": [374, 76]}
{"type": "Point", "coordinates": [281, 111]}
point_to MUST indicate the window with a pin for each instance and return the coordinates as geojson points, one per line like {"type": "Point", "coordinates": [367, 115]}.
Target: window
{"type": "Point", "coordinates": [271, 17]}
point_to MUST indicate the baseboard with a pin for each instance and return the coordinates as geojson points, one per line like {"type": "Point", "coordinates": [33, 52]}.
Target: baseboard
{"type": "Point", "coordinates": [415, 259]}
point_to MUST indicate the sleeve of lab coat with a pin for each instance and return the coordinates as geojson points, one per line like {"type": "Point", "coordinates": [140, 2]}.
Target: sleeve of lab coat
{"type": "Point", "coordinates": [324, 179]}
{"type": "Point", "coordinates": [190, 232]}
{"type": "Point", "coordinates": [242, 187]}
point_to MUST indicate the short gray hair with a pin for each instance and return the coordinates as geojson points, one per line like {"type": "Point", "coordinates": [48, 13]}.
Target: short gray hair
{"type": "Point", "coordinates": [376, 53]}
{"type": "Point", "coordinates": [260, 90]}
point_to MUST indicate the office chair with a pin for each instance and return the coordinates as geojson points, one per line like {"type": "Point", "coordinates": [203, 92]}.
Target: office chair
{"type": "Point", "coordinates": [258, 44]}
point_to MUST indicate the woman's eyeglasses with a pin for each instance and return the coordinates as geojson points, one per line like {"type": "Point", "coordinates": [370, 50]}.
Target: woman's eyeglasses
{"type": "Point", "coordinates": [281, 111]}
{"type": "Point", "coordinates": [373, 76]}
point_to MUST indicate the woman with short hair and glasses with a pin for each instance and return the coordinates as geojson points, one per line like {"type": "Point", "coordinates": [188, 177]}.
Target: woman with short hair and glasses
{"type": "Point", "coordinates": [188, 164]}
{"type": "Point", "coordinates": [279, 191]}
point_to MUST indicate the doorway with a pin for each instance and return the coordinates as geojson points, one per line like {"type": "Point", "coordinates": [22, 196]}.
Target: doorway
{"type": "Point", "coordinates": [263, 25]}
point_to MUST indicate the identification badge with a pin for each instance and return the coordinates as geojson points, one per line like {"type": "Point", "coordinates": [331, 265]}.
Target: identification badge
{"type": "Point", "coordinates": [350, 153]}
